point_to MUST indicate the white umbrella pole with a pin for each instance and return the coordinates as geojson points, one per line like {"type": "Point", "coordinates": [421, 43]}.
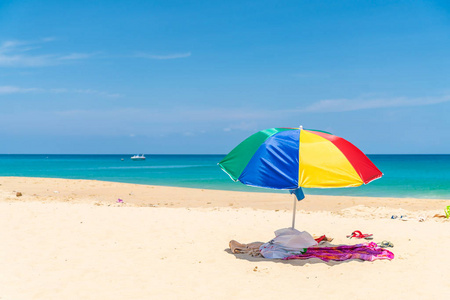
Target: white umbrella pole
{"type": "Point", "coordinates": [294, 212]}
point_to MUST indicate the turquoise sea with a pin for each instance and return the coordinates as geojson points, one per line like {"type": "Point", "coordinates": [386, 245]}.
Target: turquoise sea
{"type": "Point", "coordinates": [418, 176]}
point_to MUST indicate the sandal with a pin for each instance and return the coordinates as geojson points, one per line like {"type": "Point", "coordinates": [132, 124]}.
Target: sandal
{"type": "Point", "coordinates": [359, 235]}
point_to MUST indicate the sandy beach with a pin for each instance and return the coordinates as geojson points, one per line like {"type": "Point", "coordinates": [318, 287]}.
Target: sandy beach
{"type": "Point", "coordinates": [72, 239]}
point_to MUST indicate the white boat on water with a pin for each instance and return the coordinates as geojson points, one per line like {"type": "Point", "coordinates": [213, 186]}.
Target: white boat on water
{"type": "Point", "coordinates": [138, 157]}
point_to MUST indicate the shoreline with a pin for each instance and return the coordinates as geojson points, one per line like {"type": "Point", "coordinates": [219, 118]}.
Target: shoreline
{"type": "Point", "coordinates": [108, 192]}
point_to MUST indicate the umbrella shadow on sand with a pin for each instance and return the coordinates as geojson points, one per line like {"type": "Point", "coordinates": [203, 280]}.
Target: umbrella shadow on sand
{"type": "Point", "coordinates": [293, 262]}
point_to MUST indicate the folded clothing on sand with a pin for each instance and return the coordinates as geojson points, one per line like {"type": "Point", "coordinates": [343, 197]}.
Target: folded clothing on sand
{"type": "Point", "coordinates": [252, 248]}
{"type": "Point", "coordinates": [286, 243]}
{"type": "Point", "coordinates": [368, 251]}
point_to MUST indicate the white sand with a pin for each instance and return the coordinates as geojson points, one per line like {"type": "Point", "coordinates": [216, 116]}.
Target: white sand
{"type": "Point", "coordinates": [79, 243]}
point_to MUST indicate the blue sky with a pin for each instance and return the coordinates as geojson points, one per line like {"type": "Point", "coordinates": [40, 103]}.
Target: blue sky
{"type": "Point", "coordinates": [200, 76]}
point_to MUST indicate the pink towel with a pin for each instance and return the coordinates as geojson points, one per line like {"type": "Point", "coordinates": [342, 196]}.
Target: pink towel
{"type": "Point", "coordinates": [366, 251]}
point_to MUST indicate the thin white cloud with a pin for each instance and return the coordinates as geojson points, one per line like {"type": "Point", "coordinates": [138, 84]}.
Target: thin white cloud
{"type": "Point", "coordinates": [4, 90]}
{"type": "Point", "coordinates": [12, 54]}
{"type": "Point", "coordinates": [58, 91]}
{"type": "Point", "coordinates": [99, 93]}
{"type": "Point", "coordinates": [242, 126]}
{"type": "Point", "coordinates": [48, 39]}
{"type": "Point", "coordinates": [18, 60]}
{"type": "Point", "coordinates": [157, 121]}
{"type": "Point", "coordinates": [138, 121]}
{"type": "Point", "coordinates": [341, 105]}
{"type": "Point", "coordinates": [310, 75]}
{"type": "Point", "coordinates": [15, 53]}
{"type": "Point", "coordinates": [9, 45]}
{"type": "Point", "coordinates": [162, 57]}
{"type": "Point", "coordinates": [76, 56]}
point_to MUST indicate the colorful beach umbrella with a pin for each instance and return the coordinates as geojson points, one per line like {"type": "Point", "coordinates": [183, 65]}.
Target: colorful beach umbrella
{"type": "Point", "coordinates": [292, 158]}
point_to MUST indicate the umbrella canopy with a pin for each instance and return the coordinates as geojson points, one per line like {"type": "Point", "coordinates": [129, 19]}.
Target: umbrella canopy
{"type": "Point", "coordinates": [290, 158]}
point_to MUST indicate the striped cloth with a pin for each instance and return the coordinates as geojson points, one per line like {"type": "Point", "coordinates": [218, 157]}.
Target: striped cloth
{"type": "Point", "coordinates": [367, 251]}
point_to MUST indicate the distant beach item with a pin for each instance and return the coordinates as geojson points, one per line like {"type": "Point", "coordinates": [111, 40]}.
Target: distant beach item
{"type": "Point", "coordinates": [119, 200]}
{"type": "Point", "coordinates": [447, 212]}
{"type": "Point", "coordinates": [138, 157]}
{"type": "Point", "coordinates": [359, 235]}
{"type": "Point", "coordinates": [440, 216]}
{"type": "Point", "coordinates": [270, 159]}
{"type": "Point", "coordinates": [18, 194]}
{"type": "Point", "coordinates": [406, 218]}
